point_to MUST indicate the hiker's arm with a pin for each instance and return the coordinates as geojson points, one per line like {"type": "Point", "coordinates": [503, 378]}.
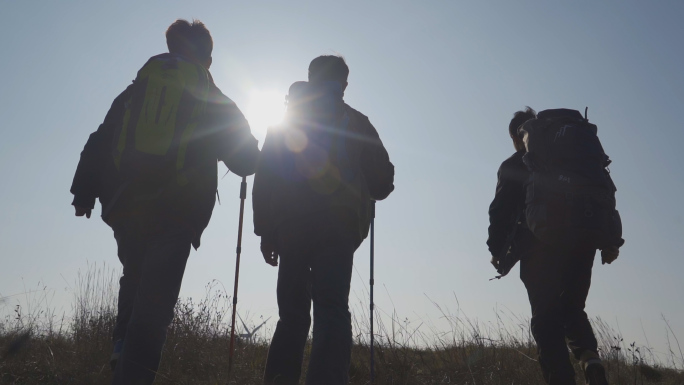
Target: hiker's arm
{"type": "Point", "coordinates": [375, 163]}
{"type": "Point", "coordinates": [86, 184]}
{"type": "Point", "coordinates": [236, 146]}
{"type": "Point", "coordinates": [264, 182]}
{"type": "Point", "coordinates": [504, 207]}
{"type": "Point", "coordinates": [264, 223]}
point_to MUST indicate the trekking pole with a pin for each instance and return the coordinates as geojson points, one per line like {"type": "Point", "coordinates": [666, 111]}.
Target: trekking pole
{"type": "Point", "coordinates": [372, 282]}
{"type": "Point", "coordinates": [243, 196]}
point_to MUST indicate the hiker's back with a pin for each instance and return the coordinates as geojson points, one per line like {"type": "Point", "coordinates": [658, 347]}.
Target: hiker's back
{"type": "Point", "coordinates": [166, 105]}
{"type": "Point", "coordinates": [325, 160]}
{"type": "Point", "coordinates": [570, 196]}
{"type": "Point", "coordinates": [316, 158]}
{"type": "Point", "coordinates": [164, 108]}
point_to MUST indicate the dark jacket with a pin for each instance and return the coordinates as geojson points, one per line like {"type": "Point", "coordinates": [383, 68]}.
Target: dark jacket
{"type": "Point", "coordinates": [224, 135]}
{"type": "Point", "coordinates": [280, 201]}
{"type": "Point", "coordinates": [507, 206]}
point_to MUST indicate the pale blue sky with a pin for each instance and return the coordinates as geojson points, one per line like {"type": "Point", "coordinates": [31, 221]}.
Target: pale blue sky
{"type": "Point", "coordinates": [439, 80]}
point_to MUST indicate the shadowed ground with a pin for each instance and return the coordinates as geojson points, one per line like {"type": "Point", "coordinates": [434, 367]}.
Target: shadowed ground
{"type": "Point", "coordinates": [36, 349]}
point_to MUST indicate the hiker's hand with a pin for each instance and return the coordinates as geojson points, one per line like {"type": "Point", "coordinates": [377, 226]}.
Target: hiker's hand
{"type": "Point", "coordinates": [81, 211]}
{"type": "Point", "coordinates": [495, 262]}
{"type": "Point", "coordinates": [609, 254]}
{"type": "Point", "coordinates": [270, 253]}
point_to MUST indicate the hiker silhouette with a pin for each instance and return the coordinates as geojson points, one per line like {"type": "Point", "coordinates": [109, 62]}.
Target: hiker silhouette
{"type": "Point", "coordinates": [153, 165]}
{"type": "Point", "coordinates": [317, 175]}
{"type": "Point", "coordinates": [554, 207]}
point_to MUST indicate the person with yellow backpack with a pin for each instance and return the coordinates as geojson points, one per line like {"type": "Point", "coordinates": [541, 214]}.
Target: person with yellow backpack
{"type": "Point", "coordinates": [153, 165]}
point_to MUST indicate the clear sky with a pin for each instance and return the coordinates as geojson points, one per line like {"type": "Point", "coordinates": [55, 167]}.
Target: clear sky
{"type": "Point", "coordinates": [439, 80]}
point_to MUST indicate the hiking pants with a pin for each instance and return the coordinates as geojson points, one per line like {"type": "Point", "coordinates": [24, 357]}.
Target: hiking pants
{"type": "Point", "coordinates": [319, 269]}
{"type": "Point", "coordinates": [557, 283]}
{"type": "Point", "coordinates": [153, 267]}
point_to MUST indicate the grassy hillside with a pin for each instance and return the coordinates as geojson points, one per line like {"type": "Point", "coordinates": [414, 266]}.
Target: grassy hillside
{"type": "Point", "coordinates": [39, 348]}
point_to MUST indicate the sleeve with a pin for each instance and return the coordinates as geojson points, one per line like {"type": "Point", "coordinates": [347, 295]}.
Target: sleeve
{"type": "Point", "coordinates": [503, 210]}
{"type": "Point", "coordinates": [86, 186]}
{"type": "Point", "coordinates": [264, 183]}
{"type": "Point", "coordinates": [375, 163]}
{"type": "Point", "coordinates": [236, 146]}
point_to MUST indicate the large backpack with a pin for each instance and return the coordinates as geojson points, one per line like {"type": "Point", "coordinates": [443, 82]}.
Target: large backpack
{"type": "Point", "coordinates": [570, 196]}
{"type": "Point", "coordinates": [166, 104]}
{"type": "Point", "coordinates": [317, 154]}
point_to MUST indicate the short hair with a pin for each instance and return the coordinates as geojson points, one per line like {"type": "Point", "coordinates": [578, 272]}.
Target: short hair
{"type": "Point", "coordinates": [192, 39]}
{"type": "Point", "coordinates": [328, 67]}
{"type": "Point", "coordinates": [519, 118]}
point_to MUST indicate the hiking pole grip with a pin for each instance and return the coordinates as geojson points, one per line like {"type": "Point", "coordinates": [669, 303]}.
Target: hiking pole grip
{"type": "Point", "coordinates": [238, 250]}
{"type": "Point", "coordinates": [243, 189]}
{"type": "Point", "coordinates": [372, 283]}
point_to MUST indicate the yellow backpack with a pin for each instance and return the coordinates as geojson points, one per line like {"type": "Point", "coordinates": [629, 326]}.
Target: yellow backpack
{"type": "Point", "coordinates": [166, 104]}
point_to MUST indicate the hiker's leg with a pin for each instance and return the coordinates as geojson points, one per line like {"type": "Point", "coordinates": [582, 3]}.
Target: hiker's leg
{"type": "Point", "coordinates": [578, 331]}
{"type": "Point", "coordinates": [541, 271]}
{"type": "Point", "coordinates": [332, 334]}
{"type": "Point", "coordinates": [285, 355]}
{"type": "Point", "coordinates": [131, 252]}
{"type": "Point", "coordinates": [160, 283]}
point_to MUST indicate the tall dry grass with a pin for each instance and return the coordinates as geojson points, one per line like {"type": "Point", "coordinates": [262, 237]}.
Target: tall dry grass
{"type": "Point", "coordinates": [38, 346]}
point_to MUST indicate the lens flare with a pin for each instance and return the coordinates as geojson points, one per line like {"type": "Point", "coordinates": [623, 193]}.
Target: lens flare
{"type": "Point", "coordinates": [265, 109]}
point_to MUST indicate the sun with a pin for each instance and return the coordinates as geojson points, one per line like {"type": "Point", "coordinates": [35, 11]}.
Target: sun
{"type": "Point", "coordinates": [265, 109]}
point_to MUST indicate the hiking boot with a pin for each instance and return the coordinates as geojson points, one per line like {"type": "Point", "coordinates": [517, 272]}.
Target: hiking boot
{"type": "Point", "coordinates": [595, 374]}
{"type": "Point", "coordinates": [114, 358]}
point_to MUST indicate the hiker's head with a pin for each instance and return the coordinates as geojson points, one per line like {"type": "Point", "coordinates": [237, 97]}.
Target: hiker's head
{"type": "Point", "coordinates": [519, 118]}
{"type": "Point", "coordinates": [329, 68]}
{"type": "Point", "coordinates": [192, 40]}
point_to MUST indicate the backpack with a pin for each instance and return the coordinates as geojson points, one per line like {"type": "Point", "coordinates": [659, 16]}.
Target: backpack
{"type": "Point", "coordinates": [316, 120]}
{"type": "Point", "coordinates": [316, 153]}
{"type": "Point", "coordinates": [166, 104]}
{"type": "Point", "coordinates": [570, 196]}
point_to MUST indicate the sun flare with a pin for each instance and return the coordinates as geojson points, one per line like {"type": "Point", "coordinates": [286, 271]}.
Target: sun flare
{"type": "Point", "coordinates": [266, 108]}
